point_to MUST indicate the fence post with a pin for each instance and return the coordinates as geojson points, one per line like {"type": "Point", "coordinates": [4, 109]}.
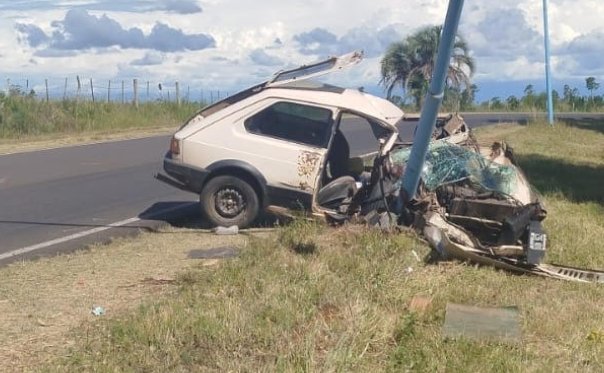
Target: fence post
{"type": "Point", "coordinates": [147, 91]}
{"type": "Point", "coordinates": [79, 88]}
{"type": "Point", "coordinates": [65, 91]}
{"type": "Point", "coordinates": [92, 90]}
{"type": "Point", "coordinates": [188, 93]}
{"type": "Point", "coordinates": [177, 94]}
{"type": "Point", "coordinates": [109, 91]}
{"type": "Point", "coordinates": [46, 85]}
{"type": "Point", "coordinates": [135, 89]}
{"type": "Point", "coordinates": [123, 96]}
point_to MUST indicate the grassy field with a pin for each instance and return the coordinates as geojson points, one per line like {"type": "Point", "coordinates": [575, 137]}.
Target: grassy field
{"type": "Point", "coordinates": [314, 298]}
{"type": "Point", "coordinates": [22, 117]}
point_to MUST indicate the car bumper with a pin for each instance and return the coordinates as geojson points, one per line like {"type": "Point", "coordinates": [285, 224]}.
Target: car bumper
{"type": "Point", "coordinates": [183, 176]}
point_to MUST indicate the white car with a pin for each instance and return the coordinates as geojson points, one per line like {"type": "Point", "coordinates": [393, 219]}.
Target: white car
{"type": "Point", "coordinates": [284, 143]}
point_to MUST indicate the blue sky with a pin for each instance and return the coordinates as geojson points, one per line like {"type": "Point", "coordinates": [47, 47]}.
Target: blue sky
{"type": "Point", "coordinates": [230, 44]}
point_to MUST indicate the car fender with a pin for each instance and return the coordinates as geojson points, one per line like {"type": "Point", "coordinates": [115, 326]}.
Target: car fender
{"type": "Point", "coordinates": [242, 169]}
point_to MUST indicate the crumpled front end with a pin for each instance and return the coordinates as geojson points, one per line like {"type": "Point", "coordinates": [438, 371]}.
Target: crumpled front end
{"type": "Point", "coordinates": [477, 198]}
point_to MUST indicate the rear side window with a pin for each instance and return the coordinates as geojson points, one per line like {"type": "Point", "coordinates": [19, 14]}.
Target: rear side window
{"type": "Point", "coordinates": [309, 125]}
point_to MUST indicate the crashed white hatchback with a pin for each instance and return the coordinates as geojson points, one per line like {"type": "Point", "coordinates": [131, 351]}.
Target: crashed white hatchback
{"type": "Point", "coordinates": [278, 144]}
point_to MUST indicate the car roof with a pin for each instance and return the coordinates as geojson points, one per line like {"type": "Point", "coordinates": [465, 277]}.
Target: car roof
{"type": "Point", "coordinates": [296, 84]}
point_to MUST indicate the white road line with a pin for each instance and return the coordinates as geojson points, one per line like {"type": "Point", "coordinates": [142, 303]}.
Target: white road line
{"type": "Point", "coordinates": [42, 245]}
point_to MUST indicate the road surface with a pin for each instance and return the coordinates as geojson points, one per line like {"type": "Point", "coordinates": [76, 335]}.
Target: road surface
{"type": "Point", "coordinates": [66, 198]}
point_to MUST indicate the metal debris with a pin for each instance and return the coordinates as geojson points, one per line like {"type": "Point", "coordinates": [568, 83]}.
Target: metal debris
{"type": "Point", "coordinates": [481, 323]}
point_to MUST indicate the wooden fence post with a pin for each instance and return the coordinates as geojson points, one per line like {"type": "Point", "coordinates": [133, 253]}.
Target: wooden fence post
{"type": "Point", "coordinates": [135, 88]}
{"type": "Point", "coordinates": [177, 94]}
{"type": "Point", "coordinates": [92, 90]}
{"type": "Point", "coordinates": [147, 91]}
{"type": "Point", "coordinates": [79, 88]}
{"type": "Point", "coordinates": [65, 91]}
{"type": "Point", "coordinates": [109, 91]}
{"type": "Point", "coordinates": [46, 85]}
{"type": "Point", "coordinates": [123, 96]}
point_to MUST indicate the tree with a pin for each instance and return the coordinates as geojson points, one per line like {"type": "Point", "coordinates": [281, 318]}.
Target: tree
{"type": "Point", "coordinates": [591, 85]}
{"type": "Point", "coordinates": [513, 102]}
{"type": "Point", "coordinates": [468, 95]}
{"type": "Point", "coordinates": [529, 96]}
{"type": "Point", "coordinates": [409, 64]}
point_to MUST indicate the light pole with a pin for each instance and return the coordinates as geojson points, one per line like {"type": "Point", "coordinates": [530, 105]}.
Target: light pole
{"type": "Point", "coordinates": [434, 97]}
{"type": "Point", "coordinates": [548, 73]}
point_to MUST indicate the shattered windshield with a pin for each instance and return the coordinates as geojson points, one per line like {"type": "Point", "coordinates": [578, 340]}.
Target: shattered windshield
{"type": "Point", "coordinates": [448, 163]}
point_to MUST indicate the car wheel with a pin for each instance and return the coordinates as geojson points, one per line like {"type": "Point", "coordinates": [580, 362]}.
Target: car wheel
{"type": "Point", "coordinates": [229, 200]}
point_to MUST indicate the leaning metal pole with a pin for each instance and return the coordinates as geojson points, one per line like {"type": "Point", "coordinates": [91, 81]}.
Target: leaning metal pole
{"type": "Point", "coordinates": [432, 102]}
{"type": "Point", "coordinates": [548, 72]}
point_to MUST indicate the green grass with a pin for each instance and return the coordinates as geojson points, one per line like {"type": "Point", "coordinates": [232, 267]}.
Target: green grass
{"type": "Point", "coordinates": [316, 298]}
{"type": "Point", "coordinates": [24, 117]}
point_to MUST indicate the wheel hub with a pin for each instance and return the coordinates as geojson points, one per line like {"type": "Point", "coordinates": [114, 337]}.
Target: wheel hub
{"type": "Point", "coordinates": [229, 202]}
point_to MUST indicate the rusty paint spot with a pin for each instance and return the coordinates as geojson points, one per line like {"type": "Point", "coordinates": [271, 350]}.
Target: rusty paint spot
{"type": "Point", "coordinates": [307, 162]}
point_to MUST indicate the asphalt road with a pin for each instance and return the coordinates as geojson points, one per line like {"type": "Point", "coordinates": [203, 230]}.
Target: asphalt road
{"type": "Point", "coordinates": [63, 199]}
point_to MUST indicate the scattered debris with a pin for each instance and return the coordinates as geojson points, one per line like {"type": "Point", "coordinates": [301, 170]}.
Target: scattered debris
{"type": "Point", "coordinates": [420, 304]}
{"type": "Point", "coordinates": [159, 280]}
{"type": "Point", "coordinates": [225, 231]}
{"type": "Point", "coordinates": [42, 323]}
{"type": "Point", "coordinates": [214, 253]}
{"type": "Point", "coordinates": [98, 311]}
{"type": "Point", "coordinates": [482, 323]}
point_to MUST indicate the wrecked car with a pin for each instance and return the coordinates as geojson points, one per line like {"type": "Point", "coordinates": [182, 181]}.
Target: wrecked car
{"type": "Point", "coordinates": [292, 143]}
{"type": "Point", "coordinates": [278, 145]}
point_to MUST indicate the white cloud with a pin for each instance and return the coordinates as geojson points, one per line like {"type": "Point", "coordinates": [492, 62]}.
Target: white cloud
{"type": "Point", "coordinates": [506, 38]}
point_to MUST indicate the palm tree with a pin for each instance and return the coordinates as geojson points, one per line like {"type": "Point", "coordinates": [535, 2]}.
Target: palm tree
{"type": "Point", "coordinates": [409, 63]}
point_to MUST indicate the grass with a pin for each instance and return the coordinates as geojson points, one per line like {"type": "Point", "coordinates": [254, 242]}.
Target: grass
{"type": "Point", "coordinates": [22, 117]}
{"type": "Point", "coordinates": [315, 298]}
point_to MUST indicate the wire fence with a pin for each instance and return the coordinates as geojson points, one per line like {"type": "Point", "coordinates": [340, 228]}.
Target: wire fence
{"type": "Point", "coordinates": [126, 91]}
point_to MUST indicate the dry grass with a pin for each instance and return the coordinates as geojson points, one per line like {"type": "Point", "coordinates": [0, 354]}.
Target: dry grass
{"type": "Point", "coordinates": [41, 301]}
{"type": "Point", "coordinates": [60, 140]}
{"type": "Point", "coordinates": [315, 298]}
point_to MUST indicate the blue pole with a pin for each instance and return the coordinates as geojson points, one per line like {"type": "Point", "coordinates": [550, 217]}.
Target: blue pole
{"type": "Point", "coordinates": [548, 72]}
{"type": "Point", "coordinates": [433, 100]}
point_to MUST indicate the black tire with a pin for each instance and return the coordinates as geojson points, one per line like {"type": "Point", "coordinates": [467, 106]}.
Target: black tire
{"type": "Point", "coordinates": [229, 200]}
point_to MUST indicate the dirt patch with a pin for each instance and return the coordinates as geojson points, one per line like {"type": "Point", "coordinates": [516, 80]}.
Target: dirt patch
{"type": "Point", "coordinates": [42, 301]}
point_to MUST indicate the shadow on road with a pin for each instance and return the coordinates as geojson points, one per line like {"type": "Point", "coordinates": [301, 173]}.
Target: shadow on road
{"type": "Point", "coordinates": [176, 213]}
{"type": "Point", "coordinates": [180, 214]}
{"type": "Point", "coordinates": [578, 182]}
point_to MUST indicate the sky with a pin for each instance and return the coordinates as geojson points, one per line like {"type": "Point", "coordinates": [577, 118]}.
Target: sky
{"type": "Point", "coordinates": [228, 45]}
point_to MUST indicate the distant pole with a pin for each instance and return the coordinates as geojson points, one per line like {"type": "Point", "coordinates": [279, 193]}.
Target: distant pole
{"type": "Point", "coordinates": [135, 88]}
{"type": "Point", "coordinates": [548, 73]}
{"type": "Point", "coordinates": [123, 96]}
{"type": "Point", "coordinates": [188, 93]}
{"type": "Point", "coordinates": [109, 91]}
{"type": "Point", "coordinates": [177, 94]}
{"type": "Point", "coordinates": [27, 86]}
{"type": "Point", "coordinates": [65, 91]}
{"type": "Point", "coordinates": [434, 97]}
{"type": "Point", "coordinates": [147, 91]}
{"type": "Point", "coordinates": [91, 90]}
{"type": "Point", "coordinates": [46, 85]}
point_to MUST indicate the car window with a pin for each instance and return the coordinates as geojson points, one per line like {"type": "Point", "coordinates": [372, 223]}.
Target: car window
{"type": "Point", "coordinates": [303, 124]}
